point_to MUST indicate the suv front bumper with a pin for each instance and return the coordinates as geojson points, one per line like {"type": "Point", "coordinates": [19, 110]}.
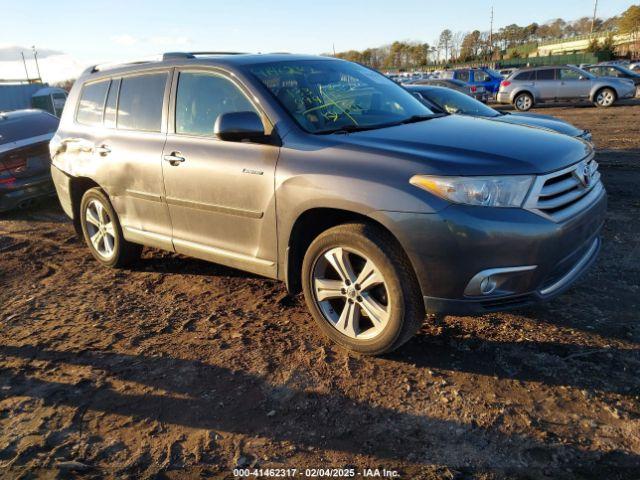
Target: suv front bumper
{"type": "Point", "coordinates": [449, 248]}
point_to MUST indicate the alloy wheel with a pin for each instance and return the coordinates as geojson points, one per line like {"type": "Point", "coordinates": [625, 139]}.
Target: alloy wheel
{"type": "Point", "coordinates": [605, 98]}
{"type": "Point", "coordinates": [351, 293]}
{"type": "Point", "coordinates": [523, 102]}
{"type": "Point", "coordinates": [100, 229]}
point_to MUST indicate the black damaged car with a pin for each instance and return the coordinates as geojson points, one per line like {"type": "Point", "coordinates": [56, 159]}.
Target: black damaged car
{"type": "Point", "coordinates": [24, 157]}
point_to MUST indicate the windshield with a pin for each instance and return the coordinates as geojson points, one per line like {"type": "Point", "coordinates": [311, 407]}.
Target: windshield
{"type": "Point", "coordinates": [327, 95]}
{"type": "Point", "coordinates": [452, 101]}
{"type": "Point", "coordinates": [493, 73]}
{"type": "Point", "coordinates": [15, 127]}
{"type": "Point", "coordinates": [627, 71]}
{"type": "Point", "coordinates": [584, 73]}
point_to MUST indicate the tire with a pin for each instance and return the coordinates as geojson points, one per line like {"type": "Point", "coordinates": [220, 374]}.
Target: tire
{"type": "Point", "coordinates": [523, 102]}
{"type": "Point", "coordinates": [605, 97]}
{"type": "Point", "coordinates": [379, 306]}
{"type": "Point", "coordinates": [99, 222]}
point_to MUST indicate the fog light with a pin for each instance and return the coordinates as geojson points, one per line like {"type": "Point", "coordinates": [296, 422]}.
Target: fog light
{"type": "Point", "coordinates": [487, 286]}
{"type": "Point", "coordinates": [491, 280]}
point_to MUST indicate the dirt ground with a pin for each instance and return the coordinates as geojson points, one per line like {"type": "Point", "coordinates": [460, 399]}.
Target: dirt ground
{"type": "Point", "coordinates": [183, 369]}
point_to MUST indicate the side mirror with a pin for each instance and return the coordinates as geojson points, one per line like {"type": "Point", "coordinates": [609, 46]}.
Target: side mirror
{"type": "Point", "coordinates": [239, 126]}
{"type": "Point", "coordinates": [582, 77]}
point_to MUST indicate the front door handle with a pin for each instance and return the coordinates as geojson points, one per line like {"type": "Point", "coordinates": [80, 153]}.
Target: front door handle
{"type": "Point", "coordinates": [174, 159]}
{"type": "Point", "coordinates": [102, 150]}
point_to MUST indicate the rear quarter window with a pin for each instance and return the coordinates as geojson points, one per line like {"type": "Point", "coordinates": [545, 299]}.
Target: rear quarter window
{"type": "Point", "coordinates": [140, 102]}
{"type": "Point", "coordinates": [525, 76]}
{"type": "Point", "coordinates": [92, 103]}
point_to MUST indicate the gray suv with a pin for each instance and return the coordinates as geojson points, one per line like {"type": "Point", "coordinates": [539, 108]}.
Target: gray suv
{"type": "Point", "coordinates": [526, 87]}
{"type": "Point", "coordinates": [329, 176]}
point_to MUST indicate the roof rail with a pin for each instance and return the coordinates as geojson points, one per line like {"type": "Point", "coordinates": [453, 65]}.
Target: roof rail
{"type": "Point", "coordinates": [172, 55]}
{"type": "Point", "coordinates": [195, 54]}
{"type": "Point", "coordinates": [107, 66]}
{"type": "Point", "coordinates": [158, 58]}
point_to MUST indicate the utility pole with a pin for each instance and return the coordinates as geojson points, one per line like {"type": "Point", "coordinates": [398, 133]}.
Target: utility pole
{"type": "Point", "coordinates": [491, 36]}
{"type": "Point", "coordinates": [35, 56]}
{"type": "Point", "coordinates": [26, 72]}
{"type": "Point", "coordinates": [593, 20]}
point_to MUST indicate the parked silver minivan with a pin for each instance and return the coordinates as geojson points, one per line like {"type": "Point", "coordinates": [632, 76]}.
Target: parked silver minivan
{"type": "Point", "coordinates": [526, 87]}
{"type": "Point", "coordinates": [329, 176]}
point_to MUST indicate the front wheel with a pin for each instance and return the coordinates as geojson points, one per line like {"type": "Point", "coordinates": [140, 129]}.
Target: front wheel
{"type": "Point", "coordinates": [604, 98]}
{"type": "Point", "coordinates": [102, 232]}
{"type": "Point", "coordinates": [361, 289]}
{"type": "Point", "coordinates": [523, 102]}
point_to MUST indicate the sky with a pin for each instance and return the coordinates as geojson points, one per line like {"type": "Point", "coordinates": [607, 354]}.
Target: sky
{"type": "Point", "coordinates": [102, 31]}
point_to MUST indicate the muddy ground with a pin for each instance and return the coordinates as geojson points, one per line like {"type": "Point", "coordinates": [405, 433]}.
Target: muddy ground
{"type": "Point", "coordinates": [181, 369]}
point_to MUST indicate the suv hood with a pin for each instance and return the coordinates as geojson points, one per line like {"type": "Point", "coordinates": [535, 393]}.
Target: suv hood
{"type": "Point", "coordinates": [458, 145]}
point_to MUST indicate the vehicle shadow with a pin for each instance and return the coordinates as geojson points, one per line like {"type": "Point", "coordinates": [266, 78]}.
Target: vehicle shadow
{"type": "Point", "coordinates": [45, 209]}
{"type": "Point", "coordinates": [204, 396]}
{"type": "Point", "coordinates": [597, 370]}
{"type": "Point", "coordinates": [172, 263]}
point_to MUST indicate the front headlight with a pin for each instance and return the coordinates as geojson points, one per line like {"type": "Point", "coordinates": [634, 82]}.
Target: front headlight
{"type": "Point", "coordinates": [502, 191]}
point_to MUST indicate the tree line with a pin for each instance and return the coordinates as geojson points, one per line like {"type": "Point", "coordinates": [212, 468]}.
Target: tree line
{"type": "Point", "coordinates": [508, 42]}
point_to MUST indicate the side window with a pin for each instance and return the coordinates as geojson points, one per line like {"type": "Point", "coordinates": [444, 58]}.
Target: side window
{"type": "Point", "coordinates": [92, 103]}
{"type": "Point", "coordinates": [463, 75]}
{"type": "Point", "coordinates": [546, 74]}
{"type": "Point", "coordinates": [480, 76]}
{"type": "Point", "coordinates": [612, 72]}
{"type": "Point", "coordinates": [530, 75]}
{"type": "Point", "coordinates": [140, 102]}
{"type": "Point", "coordinates": [202, 97]}
{"type": "Point", "coordinates": [59, 99]}
{"type": "Point", "coordinates": [112, 104]}
{"type": "Point", "coordinates": [568, 74]}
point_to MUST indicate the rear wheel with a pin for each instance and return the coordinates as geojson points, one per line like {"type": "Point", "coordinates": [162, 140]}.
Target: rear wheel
{"type": "Point", "coordinates": [523, 102]}
{"type": "Point", "coordinates": [361, 289]}
{"type": "Point", "coordinates": [605, 97]}
{"type": "Point", "coordinates": [102, 232]}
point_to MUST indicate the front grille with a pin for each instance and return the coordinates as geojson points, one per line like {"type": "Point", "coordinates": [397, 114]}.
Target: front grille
{"type": "Point", "coordinates": [562, 194]}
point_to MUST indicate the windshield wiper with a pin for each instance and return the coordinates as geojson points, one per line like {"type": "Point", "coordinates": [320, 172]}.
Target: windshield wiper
{"type": "Point", "coordinates": [416, 118]}
{"type": "Point", "coordinates": [420, 118]}
{"type": "Point", "coordinates": [347, 129]}
{"type": "Point", "coordinates": [361, 128]}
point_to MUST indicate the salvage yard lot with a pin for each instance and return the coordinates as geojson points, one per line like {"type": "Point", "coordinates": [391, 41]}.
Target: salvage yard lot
{"type": "Point", "coordinates": [185, 368]}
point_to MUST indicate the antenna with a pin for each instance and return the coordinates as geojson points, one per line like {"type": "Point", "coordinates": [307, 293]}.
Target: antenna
{"type": "Point", "coordinates": [35, 56]}
{"type": "Point", "coordinates": [25, 66]}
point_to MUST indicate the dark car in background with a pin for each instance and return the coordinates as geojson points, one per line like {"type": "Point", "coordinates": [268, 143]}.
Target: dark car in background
{"type": "Point", "coordinates": [24, 157]}
{"type": "Point", "coordinates": [614, 70]}
{"type": "Point", "coordinates": [478, 93]}
{"type": "Point", "coordinates": [445, 100]}
{"type": "Point", "coordinates": [478, 77]}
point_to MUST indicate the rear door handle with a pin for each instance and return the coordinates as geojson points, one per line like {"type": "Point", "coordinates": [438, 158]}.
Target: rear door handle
{"type": "Point", "coordinates": [102, 150]}
{"type": "Point", "coordinates": [174, 159]}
